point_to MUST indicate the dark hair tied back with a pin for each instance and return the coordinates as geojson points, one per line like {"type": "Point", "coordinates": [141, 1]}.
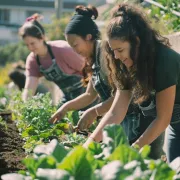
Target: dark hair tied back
{"type": "Point", "coordinates": [89, 11]}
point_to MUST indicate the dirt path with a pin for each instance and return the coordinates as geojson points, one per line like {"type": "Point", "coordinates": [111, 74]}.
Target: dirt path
{"type": "Point", "coordinates": [11, 152]}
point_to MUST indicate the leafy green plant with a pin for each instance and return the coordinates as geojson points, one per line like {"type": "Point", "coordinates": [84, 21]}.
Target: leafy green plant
{"type": "Point", "coordinates": [4, 98]}
{"type": "Point", "coordinates": [3, 123]}
{"type": "Point", "coordinates": [56, 29]}
{"type": "Point", "coordinates": [72, 140]}
{"type": "Point", "coordinates": [123, 161]}
{"type": "Point", "coordinates": [32, 121]}
{"type": "Point", "coordinates": [13, 52]}
{"type": "Point", "coordinates": [169, 21]}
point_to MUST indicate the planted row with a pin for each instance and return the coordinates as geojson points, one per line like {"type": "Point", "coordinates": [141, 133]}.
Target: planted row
{"type": "Point", "coordinates": [111, 160]}
{"type": "Point", "coordinates": [32, 118]}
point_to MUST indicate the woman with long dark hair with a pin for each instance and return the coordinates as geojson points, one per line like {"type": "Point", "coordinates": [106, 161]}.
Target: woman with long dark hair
{"type": "Point", "coordinates": [145, 70]}
{"type": "Point", "coordinates": [83, 36]}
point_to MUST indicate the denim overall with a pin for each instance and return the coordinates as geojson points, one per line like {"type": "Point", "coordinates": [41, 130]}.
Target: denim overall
{"type": "Point", "coordinates": [69, 84]}
{"type": "Point", "coordinates": [99, 79]}
{"type": "Point", "coordinates": [100, 83]}
{"type": "Point", "coordinates": [172, 133]}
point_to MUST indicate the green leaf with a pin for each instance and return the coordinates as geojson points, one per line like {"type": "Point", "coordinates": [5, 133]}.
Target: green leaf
{"type": "Point", "coordinates": [45, 135]}
{"type": "Point", "coordinates": [62, 126]}
{"type": "Point", "coordinates": [31, 165]}
{"type": "Point", "coordinates": [53, 148]}
{"type": "Point", "coordinates": [132, 164]}
{"type": "Point", "coordinates": [162, 171]}
{"type": "Point", "coordinates": [29, 132]}
{"type": "Point", "coordinates": [53, 174]}
{"type": "Point", "coordinates": [113, 136]}
{"type": "Point", "coordinates": [138, 174]}
{"type": "Point", "coordinates": [46, 162]}
{"type": "Point", "coordinates": [95, 156]}
{"type": "Point", "coordinates": [95, 163]}
{"type": "Point", "coordinates": [77, 164]}
{"type": "Point", "coordinates": [144, 151]}
{"type": "Point", "coordinates": [95, 148]}
{"type": "Point", "coordinates": [73, 116]}
{"type": "Point", "coordinates": [125, 154]}
{"type": "Point", "coordinates": [13, 176]}
{"type": "Point", "coordinates": [111, 171]}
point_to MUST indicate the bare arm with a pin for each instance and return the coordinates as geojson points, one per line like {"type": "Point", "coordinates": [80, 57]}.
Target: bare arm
{"type": "Point", "coordinates": [115, 115]}
{"type": "Point", "coordinates": [83, 100]}
{"type": "Point", "coordinates": [80, 102]}
{"type": "Point", "coordinates": [103, 107]}
{"type": "Point", "coordinates": [30, 87]}
{"type": "Point", "coordinates": [91, 114]}
{"type": "Point", "coordinates": [164, 106]}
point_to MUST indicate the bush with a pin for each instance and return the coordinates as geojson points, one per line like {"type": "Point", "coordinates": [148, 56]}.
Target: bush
{"type": "Point", "coordinates": [13, 52]}
{"type": "Point", "coordinates": [55, 30]}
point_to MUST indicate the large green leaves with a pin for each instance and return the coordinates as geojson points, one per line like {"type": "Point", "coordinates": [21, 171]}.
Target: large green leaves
{"type": "Point", "coordinates": [145, 151]}
{"type": "Point", "coordinates": [110, 171]}
{"type": "Point", "coordinates": [113, 136]}
{"type": "Point", "coordinates": [42, 162]}
{"type": "Point", "coordinates": [53, 174]}
{"type": "Point", "coordinates": [53, 148]}
{"type": "Point", "coordinates": [77, 164]}
{"type": "Point", "coordinates": [73, 117]}
{"type": "Point", "coordinates": [161, 170]}
{"type": "Point", "coordinates": [95, 156]}
{"type": "Point", "coordinates": [125, 154]}
{"type": "Point", "coordinates": [15, 177]}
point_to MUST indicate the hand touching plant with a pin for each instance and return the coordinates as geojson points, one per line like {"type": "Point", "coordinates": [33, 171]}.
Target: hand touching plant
{"type": "Point", "coordinates": [87, 119]}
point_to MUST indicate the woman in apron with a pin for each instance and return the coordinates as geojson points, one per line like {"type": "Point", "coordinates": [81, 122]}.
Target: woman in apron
{"type": "Point", "coordinates": [55, 60]}
{"type": "Point", "coordinates": [146, 71]}
{"type": "Point", "coordinates": [85, 41]}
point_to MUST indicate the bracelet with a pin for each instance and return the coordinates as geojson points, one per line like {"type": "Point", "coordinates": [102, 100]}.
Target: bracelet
{"type": "Point", "coordinates": [96, 112]}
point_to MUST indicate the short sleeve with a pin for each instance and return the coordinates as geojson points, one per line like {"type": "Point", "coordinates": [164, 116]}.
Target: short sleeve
{"type": "Point", "coordinates": [167, 70]}
{"type": "Point", "coordinates": [75, 61]}
{"type": "Point", "coordinates": [32, 68]}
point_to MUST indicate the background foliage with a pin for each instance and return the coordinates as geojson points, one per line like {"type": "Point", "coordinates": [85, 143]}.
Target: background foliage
{"type": "Point", "coordinates": [163, 20]}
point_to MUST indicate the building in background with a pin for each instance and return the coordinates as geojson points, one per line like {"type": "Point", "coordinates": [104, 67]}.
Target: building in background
{"type": "Point", "coordinates": [14, 12]}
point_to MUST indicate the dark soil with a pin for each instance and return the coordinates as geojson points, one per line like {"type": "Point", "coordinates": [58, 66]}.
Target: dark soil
{"type": "Point", "coordinates": [11, 151]}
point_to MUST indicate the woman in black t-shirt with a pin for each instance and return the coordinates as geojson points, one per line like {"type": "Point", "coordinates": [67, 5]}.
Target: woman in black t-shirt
{"type": "Point", "coordinates": [145, 70]}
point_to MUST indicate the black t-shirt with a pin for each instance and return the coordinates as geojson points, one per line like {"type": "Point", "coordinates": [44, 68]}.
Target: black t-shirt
{"type": "Point", "coordinates": [167, 70]}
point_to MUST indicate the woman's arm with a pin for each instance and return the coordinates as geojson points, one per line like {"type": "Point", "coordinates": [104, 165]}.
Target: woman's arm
{"type": "Point", "coordinates": [91, 114]}
{"type": "Point", "coordinates": [115, 115]}
{"type": "Point", "coordinates": [80, 102]}
{"type": "Point", "coordinates": [83, 100]}
{"type": "Point", "coordinates": [103, 107]}
{"type": "Point", "coordinates": [30, 87]}
{"type": "Point", "coordinates": [164, 106]}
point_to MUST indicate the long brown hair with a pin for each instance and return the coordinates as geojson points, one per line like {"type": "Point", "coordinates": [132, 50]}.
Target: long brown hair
{"type": "Point", "coordinates": [128, 23]}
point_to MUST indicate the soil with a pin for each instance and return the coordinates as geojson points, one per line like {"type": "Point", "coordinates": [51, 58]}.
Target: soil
{"type": "Point", "coordinates": [11, 151]}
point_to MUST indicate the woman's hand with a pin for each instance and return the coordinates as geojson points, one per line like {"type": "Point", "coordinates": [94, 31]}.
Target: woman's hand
{"type": "Point", "coordinates": [58, 115]}
{"type": "Point", "coordinates": [87, 119]}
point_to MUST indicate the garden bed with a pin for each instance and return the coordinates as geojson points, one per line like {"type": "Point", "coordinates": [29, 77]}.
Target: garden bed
{"type": "Point", "coordinates": [11, 151]}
